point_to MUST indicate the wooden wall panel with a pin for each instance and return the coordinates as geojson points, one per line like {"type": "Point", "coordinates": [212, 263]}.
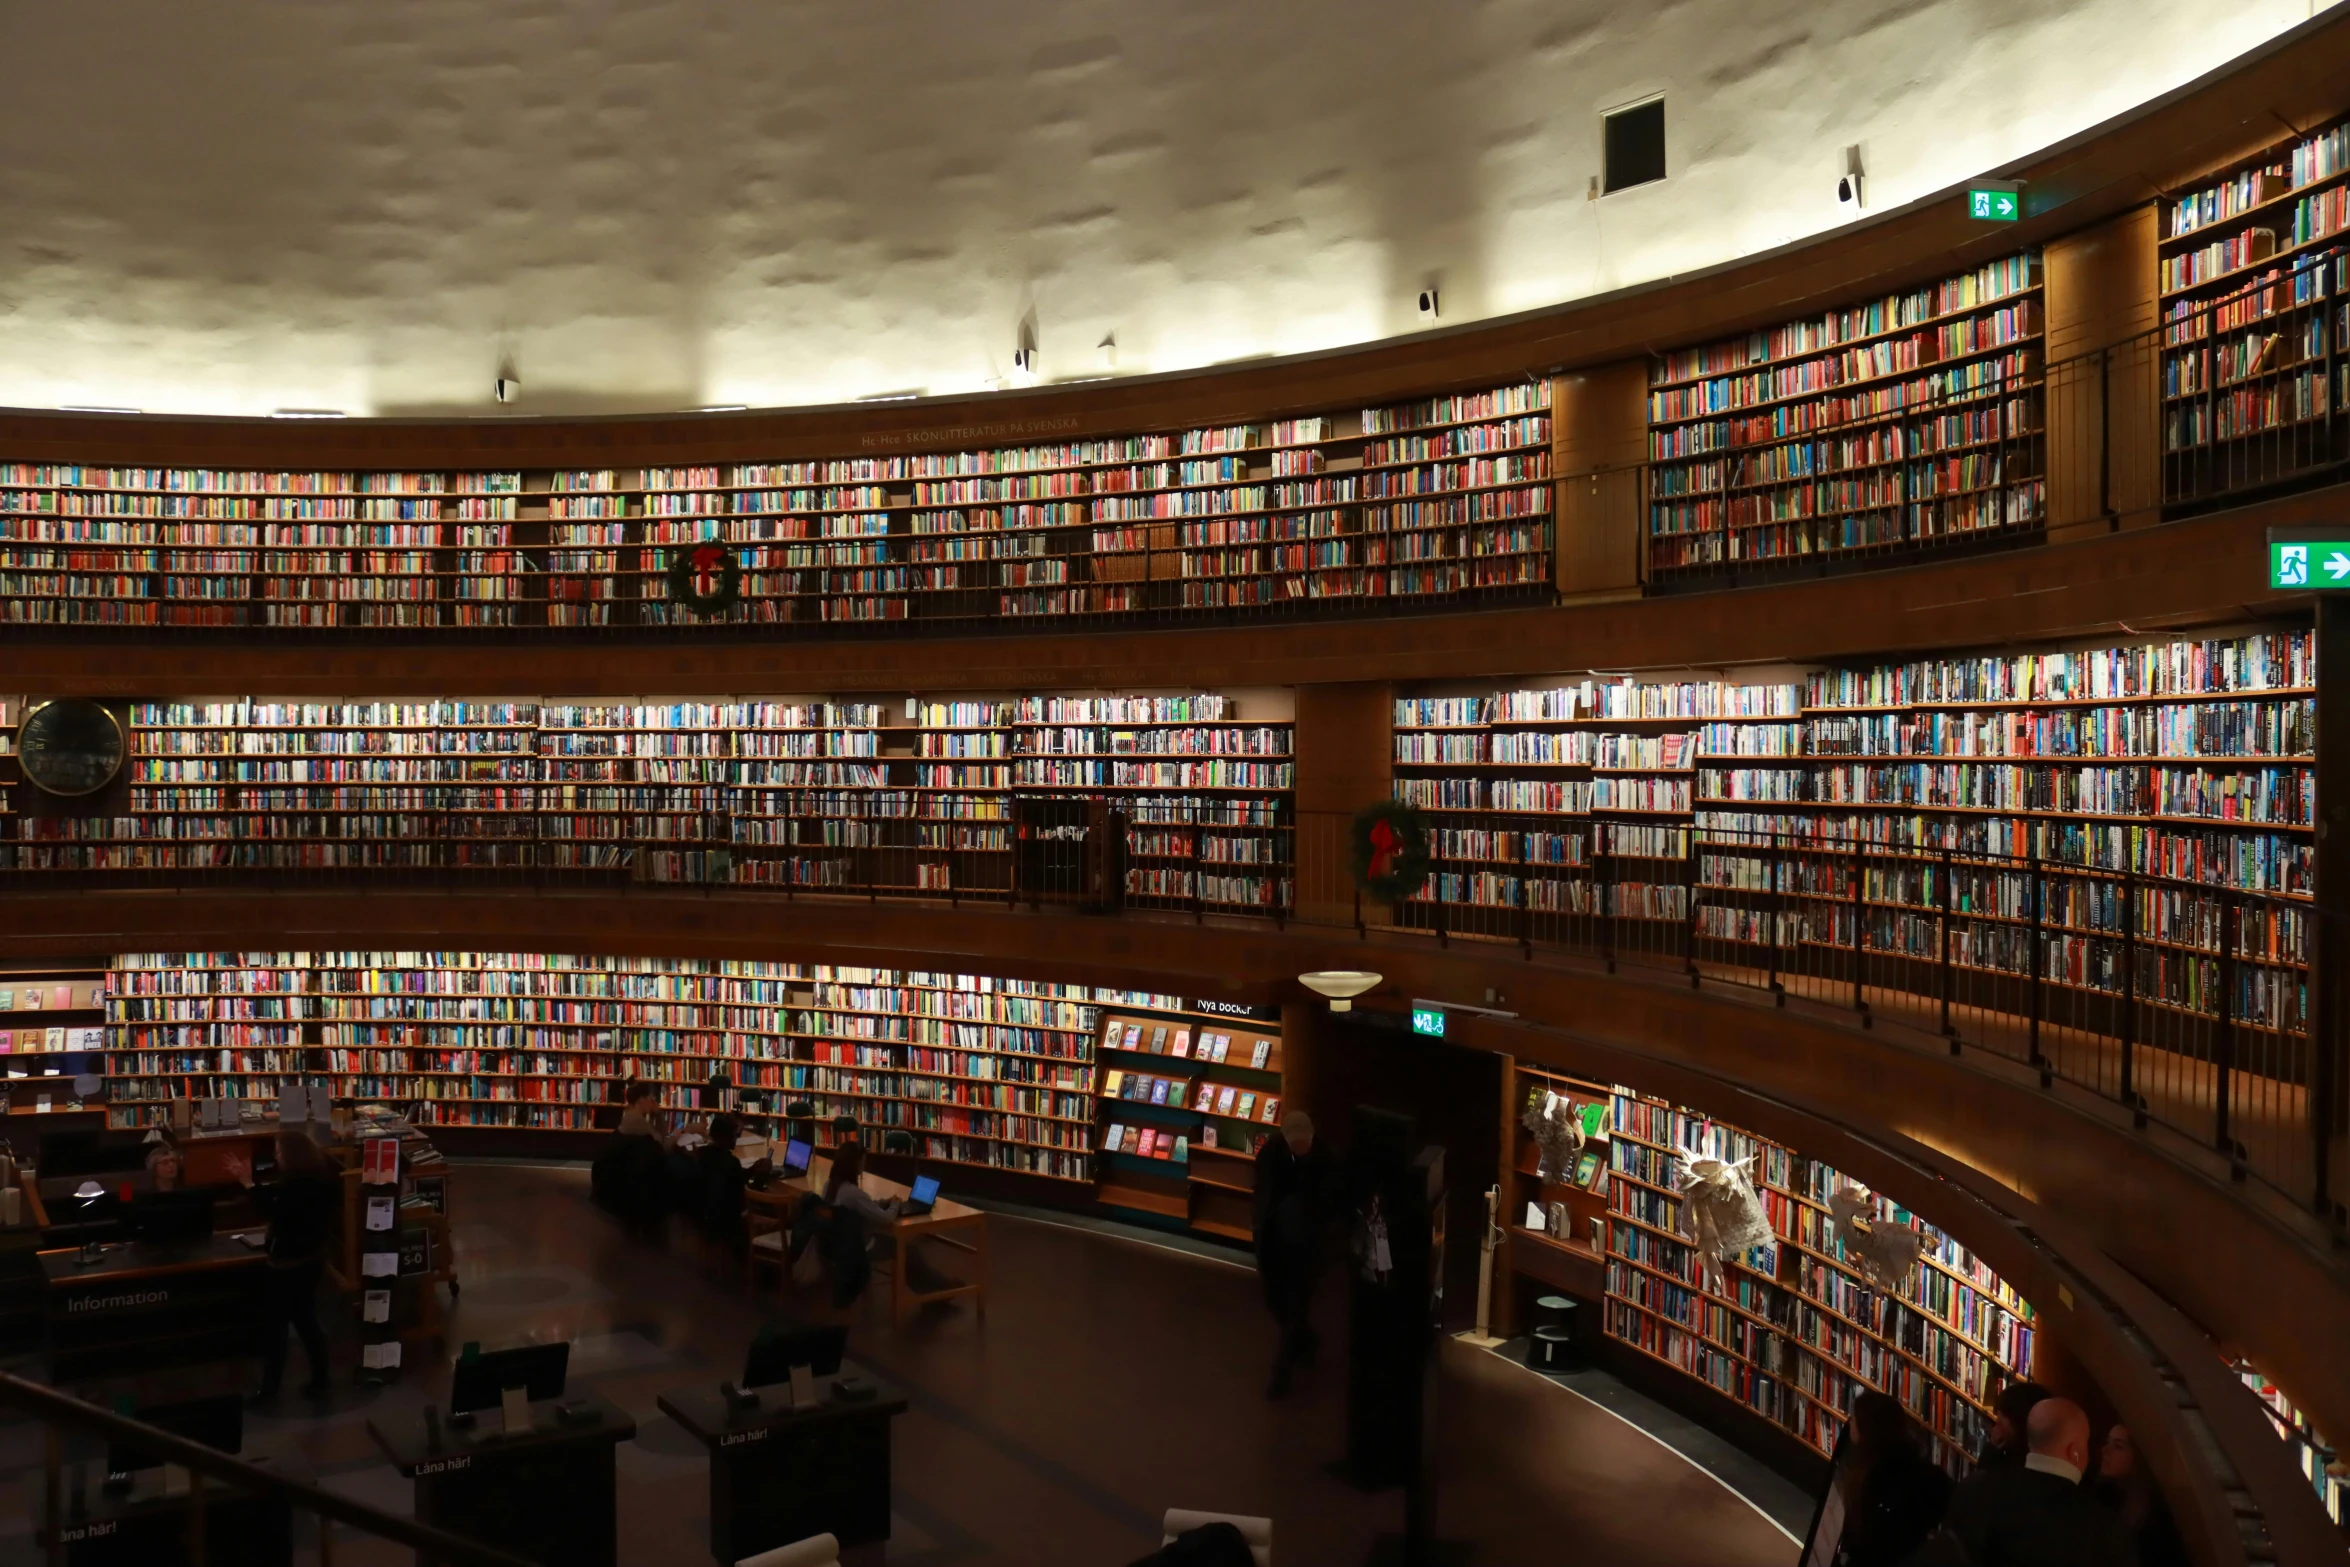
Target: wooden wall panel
{"type": "Point", "coordinates": [1600, 438]}
{"type": "Point", "coordinates": [2104, 409]}
{"type": "Point", "coordinates": [1345, 741]}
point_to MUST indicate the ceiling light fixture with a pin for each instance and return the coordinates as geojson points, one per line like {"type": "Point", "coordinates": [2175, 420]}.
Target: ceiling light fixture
{"type": "Point", "coordinates": [1340, 985]}
{"type": "Point", "coordinates": [893, 397]}
{"type": "Point", "coordinates": [94, 408]}
{"type": "Point", "coordinates": [724, 408]}
{"type": "Point", "coordinates": [308, 413]}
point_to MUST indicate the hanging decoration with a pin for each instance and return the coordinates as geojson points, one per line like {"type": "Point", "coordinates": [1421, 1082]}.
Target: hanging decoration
{"type": "Point", "coordinates": [1721, 1212]}
{"type": "Point", "coordinates": [1390, 850]}
{"type": "Point", "coordinates": [1883, 1252]}
{"type": "Point", "coordinates": [705, 579]}
{"type": "Point", "coordinates": [1558, 1133]}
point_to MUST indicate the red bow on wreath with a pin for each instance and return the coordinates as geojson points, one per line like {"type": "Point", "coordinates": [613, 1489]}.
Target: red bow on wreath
{"type": "Point", "coordinates": [1385, 845]}
{"type": "Point", "coordinates": [708, 558]}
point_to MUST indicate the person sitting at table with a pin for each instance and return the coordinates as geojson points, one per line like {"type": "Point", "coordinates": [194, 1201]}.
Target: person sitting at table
{"type": "Point", "coordinates": [723, 1180]}
{"type": "Point", "coordinates": [631, 1177]}
{"type": "Point", "coordinates": [300, 1205]}
{"type": "Point", "coordinates": [840, 1215]}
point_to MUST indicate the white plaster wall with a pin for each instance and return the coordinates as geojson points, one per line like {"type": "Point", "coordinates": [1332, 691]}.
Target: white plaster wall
{"type": "Point", "coordinates": [242, 205]}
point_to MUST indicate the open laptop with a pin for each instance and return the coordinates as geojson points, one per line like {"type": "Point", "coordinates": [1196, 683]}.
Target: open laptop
{"type": "Point", "coordinates": [796, 1152]}
{"type": "Point", "coordinates": [922, 1198]}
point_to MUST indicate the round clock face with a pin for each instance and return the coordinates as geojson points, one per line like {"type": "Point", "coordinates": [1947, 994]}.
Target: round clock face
{"type": "Point", "coordinates": [70, 746]}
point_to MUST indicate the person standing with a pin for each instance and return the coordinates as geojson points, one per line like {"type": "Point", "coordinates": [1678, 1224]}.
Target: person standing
{"type": "Point", "coordinates": [300, 1206]}
{"type": "Point", "coordinates": [1884, 1496]}
{"type": "Point", "coordinates": [2126, 1487]}
{"type": "Point", "coordinates": [2036, 1514]}
{"type": "Point", "coordinates": [2004, 1447]}
{"type": "Point", "coordinates": [1294, 1189]}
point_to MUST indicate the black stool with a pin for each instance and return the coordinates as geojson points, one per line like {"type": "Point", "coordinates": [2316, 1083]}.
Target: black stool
{"type": "Point", "coordinates": [897, 1142]}
{"type": "Point", "coordinates": [1553, 1346]}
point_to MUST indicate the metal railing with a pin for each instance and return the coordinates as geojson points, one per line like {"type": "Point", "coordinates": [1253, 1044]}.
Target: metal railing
{"type": "Point", "coordinates": [2183, 1001]}
{"type": "Point", "coordinates": [74, 1506]}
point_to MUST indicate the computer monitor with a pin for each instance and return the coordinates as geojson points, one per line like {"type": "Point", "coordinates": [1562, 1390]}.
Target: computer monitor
{"type": "Point", "coordinates": [796, 1153]}
{"type": "Point", "coordinates": [481, 1383]}
{"type": "Point", "coordinates": [925, 1192]}
{"type": "Point", "coordinates": [167, 1218]}
{"type": "Point", "coordinates": [216, 1422]}
{"type": "Point", "coordinates": [776, 1350]}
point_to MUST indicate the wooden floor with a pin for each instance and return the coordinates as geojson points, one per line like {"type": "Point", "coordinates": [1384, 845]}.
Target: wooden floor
{"type": "Point", "coordinates": [1111, 1380]}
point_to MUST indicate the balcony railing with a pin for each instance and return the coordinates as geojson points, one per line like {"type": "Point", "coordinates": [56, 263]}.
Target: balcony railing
{"type": "Point", "coordinates": [2183, 1001]}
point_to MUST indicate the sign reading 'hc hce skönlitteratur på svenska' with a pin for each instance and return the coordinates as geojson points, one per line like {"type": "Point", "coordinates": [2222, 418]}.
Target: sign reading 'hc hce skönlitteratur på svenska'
{"type": "Point", "coordinates": [2309, 563]}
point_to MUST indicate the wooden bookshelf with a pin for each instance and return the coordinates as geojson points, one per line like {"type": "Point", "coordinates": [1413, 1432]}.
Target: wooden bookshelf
{"type": "Point", "coordinates": [1421, 500]}
{"type": "Point", "coordinates": [1794, 1332]}
{"type": "Point", "coordinates": [1913, 421]}
{"type": "Point", "coordinates": [2186, 764]}
{"type": "Point", "coordinates": [749, 791]}
{"type": "Point", "coordinates": [990, 1073]}
{"type": "Point", "coordinates": [52, 1030]}
{"type": "Point", "coordinates": [1195, 1097]}
{"type": "Point", "coordinates": [2252, 268]}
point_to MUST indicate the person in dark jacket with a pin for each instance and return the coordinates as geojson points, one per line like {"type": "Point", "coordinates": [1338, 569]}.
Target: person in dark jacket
{"type": "Point", "coordinates": [301, 1205]}
{"type": "Point", "coordinates": [2004, 1448]}
{"type": "Point", "coordinates": [2037, 1514]}
{"type": "Point", "coordinates": [723, 1183]}
{"type": "Point", "coordinates": [2124, 1485]}
{"type": "Point", "coordinates": [1296, 1183]}
{"type": "Point", "coordinates": [1884, 1495]}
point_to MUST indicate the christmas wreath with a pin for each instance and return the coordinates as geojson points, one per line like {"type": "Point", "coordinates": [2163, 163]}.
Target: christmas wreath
{"type": "Point", "coordinates": [1390, 850]}
{"type": "Point", "coordinates": [706, 580]}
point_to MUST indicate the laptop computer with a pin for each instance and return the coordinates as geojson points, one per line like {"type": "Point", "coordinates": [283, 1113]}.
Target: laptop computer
{"type": "Point", "coordinates": [923, 1197]}
{"type": "Point", "coordinates": [796, 1152]}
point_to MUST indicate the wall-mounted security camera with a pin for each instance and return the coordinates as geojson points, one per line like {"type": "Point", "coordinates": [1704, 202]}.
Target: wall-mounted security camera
{"type": "Point", "coordinates": [1428, 311]}
{"type": "Point", "coordinates": [1852, 185]}
{"type": "Point", "coordinates": [506, 388]}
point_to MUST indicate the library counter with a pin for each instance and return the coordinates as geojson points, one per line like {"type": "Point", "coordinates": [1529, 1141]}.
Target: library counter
{"type": "Point", "coordinates": [780, 1473]}
{"type": "Point", "coordinates": [145, 1305]}
{"type": "Point", "coordinates": [147, 1525]}
{"type": "Point", "coordinates": [548, 1493]}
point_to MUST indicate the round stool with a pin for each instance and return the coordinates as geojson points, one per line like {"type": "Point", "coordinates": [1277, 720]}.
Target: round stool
{"type": "Point", "coordinates": [1553, 1344]}
{"type": "Point", "coordinates": [1554, 1310]}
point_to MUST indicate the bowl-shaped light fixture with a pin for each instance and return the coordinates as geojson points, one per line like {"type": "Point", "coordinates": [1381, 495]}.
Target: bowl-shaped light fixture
{"type": "Point", "coordinates": [1341, 985]}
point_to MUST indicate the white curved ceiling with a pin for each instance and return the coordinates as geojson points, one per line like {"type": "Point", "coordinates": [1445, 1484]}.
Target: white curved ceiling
{"type": "Point", "coordinates": [368, 205]}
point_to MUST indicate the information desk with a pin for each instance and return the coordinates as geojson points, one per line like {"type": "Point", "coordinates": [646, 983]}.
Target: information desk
{"type": "Point", "coordinates": [547, 1494]}
{"type": "Point", "coordinates": [141, 1306]}
{"type": "Point", "coordinates": [950, 1223]}
{"type": "Point", "coordinates": [147, 1524]}
{"type": "Point", "coordinates": [779, 1474]}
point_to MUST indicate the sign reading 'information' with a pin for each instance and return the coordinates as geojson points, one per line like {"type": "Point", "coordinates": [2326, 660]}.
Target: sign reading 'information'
{"type": "Point", "coordinates": [2310, 563]}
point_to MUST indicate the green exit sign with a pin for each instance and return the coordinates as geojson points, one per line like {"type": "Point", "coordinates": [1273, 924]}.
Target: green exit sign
{"type": "Point", "coordinates": [2309, 563]}
{"type": "Point", "coordinates": [1429, 1021]}
{"type": "Point", "coordinates": [1994, 203]}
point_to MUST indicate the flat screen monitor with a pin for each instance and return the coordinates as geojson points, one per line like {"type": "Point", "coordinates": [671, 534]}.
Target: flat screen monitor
{"type": "Point", "coordinates": [775, 1351]}
{"type": "Point", "coordinates": [167, 1218]}
{"type": "Point", "coordinates": [481, 1383]}
{"type": "Point", "coordinates": [925, 1191]}
{"type": "Point", "coordinates": [218, 1423]}
{"type": "Point", "coordinates": [796, 1153]}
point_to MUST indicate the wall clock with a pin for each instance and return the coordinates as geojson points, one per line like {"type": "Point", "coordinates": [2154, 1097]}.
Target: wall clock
{"type": "Point", "coordinates": [70, 746]}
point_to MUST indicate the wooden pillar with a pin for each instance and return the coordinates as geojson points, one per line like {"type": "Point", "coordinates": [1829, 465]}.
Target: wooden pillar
{"type": "Point", "coordinates": [2104, 395]}
{"type": "Point", "coordinates": [2329, 937]}
{"type": "Point", "coordinates": [1345, 738]}
{"type": "Point", "coordinates": [1599, 441]}
{"type": "Point", "coordinates": [1305, 1034]}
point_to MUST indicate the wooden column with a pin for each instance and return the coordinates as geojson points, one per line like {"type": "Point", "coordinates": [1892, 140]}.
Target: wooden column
{"type": "Point", "coordinates": [2104, 399]}
{"type": "Point", "coordinates": [2329, 934]}
{"type": "Point", "coordinates": [1345, 740]}
{"type": "Point", "coordinates": [1599, 436]}
{"type": "Point", "coordinates": [1305, 1032]}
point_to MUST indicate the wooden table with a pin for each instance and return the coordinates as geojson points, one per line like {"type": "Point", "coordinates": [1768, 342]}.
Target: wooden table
{"type": "Point", "coordinates": [949, 1223]}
